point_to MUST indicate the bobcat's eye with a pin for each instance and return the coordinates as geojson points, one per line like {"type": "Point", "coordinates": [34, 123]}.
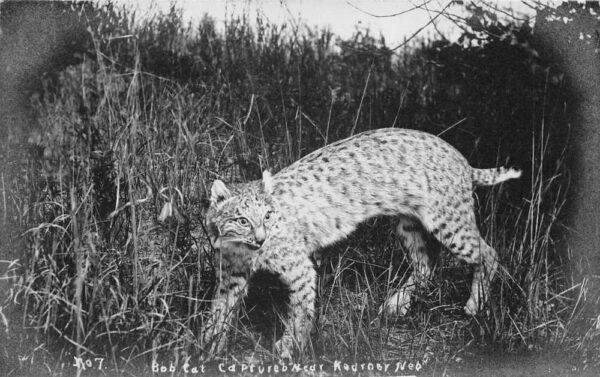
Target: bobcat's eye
{"type": "Point", "coordinates": [268, 215]}
{"type": "Point", "coordinates": [242, 221]}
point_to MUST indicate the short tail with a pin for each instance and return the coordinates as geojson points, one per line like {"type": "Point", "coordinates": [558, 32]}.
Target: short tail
{"type": "Point", "coordinates": [488, 177]}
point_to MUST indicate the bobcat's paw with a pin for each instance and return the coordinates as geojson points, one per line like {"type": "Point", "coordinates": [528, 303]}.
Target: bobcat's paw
{"type": "Point", "coordinates": [397, 304]}
{"type": "Point", "coordinates": [472, 307]}
{"type": "Point", "coordinates": [284, 347]}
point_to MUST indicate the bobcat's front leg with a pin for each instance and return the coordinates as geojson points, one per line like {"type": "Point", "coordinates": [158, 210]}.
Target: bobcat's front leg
{"type": "Point", "coordinates": [232, 276]}
{"type": "Point", "coordinates": [297, 272]}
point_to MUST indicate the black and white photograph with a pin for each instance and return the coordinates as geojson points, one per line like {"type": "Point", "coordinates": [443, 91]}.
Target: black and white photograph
{"type": "Point", "coordinates": [316, 188]}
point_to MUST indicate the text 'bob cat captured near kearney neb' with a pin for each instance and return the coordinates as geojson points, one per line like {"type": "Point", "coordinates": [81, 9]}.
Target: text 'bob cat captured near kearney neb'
{"type": "Point", "coordinates": [277, 224]}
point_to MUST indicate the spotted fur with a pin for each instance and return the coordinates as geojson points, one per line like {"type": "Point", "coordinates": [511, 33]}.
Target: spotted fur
{"type": "Point", "coordinates": [324, 196]}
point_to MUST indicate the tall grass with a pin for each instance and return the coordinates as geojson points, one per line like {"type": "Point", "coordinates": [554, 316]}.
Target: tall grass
{"type": "Point", "coordinates": [160, 108]}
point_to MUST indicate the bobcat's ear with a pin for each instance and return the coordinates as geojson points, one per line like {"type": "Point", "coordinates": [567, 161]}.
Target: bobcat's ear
{"type": "Point", "coordinates": [218, 192]}
{"type": "Point", "coordinates": [267, 182]}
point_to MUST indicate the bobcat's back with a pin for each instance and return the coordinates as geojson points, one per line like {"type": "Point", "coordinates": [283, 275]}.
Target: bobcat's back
{"type": "Point", "coordinates": [326, 194]}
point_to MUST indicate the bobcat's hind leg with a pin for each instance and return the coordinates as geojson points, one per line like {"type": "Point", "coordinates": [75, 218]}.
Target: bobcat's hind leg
{"type": "Point", "coordinates": [410, 232]}
{"type": "Point", "coordinates": [464, 241]}
{"type": "Point", "coordinates": [483, 274]}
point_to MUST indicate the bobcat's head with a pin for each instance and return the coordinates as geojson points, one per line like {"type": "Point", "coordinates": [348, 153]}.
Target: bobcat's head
{"type": "Point", "coordinates": [242, 217]}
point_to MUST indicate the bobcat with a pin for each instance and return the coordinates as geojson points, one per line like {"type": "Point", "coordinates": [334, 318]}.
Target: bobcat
{"type": "Point", "coordinates": [277, 224]}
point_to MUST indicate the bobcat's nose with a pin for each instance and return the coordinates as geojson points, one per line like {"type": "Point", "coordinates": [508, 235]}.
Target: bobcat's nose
{"type": "Point", "coordinates": [260, 235]}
